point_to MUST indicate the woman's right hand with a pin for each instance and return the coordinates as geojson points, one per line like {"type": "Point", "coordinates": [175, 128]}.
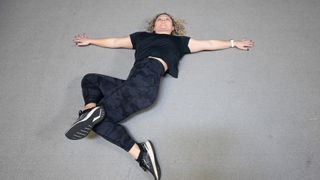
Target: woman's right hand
{"type": "Point", "coordinates": [81, 40]}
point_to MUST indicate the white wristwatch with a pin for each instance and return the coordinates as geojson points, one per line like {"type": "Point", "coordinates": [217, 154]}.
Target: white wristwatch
{"type": "Point", "coordinates": [232, 43]}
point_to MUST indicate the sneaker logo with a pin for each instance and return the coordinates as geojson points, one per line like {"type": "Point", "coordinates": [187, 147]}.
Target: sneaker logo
{"type": "Point", "coordinates": [97, 118]}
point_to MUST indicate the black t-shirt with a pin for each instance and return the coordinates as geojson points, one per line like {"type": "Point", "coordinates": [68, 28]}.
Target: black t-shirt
{"type": "Point", "coordinates": [170, 48]}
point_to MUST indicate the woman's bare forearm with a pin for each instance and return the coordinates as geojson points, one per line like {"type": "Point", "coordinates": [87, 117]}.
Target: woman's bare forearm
{"type": "Point", "coordinates": [103, 42]}
{"type": "Point", "coordinates": [218, 44]}
{"type": "Point", "coordinates": [212, 45]}
{"type": "Point", "coordinates": [122, 42]}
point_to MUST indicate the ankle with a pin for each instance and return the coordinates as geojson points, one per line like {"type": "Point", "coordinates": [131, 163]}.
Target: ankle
{"type": "Point", "coordinates": [90, 105]}
{"type": "Point", "coordinates": [135, 151]}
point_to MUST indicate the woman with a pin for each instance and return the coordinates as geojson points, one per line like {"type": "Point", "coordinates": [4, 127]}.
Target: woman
{"type": "Point", "coordinates": [109, 100]}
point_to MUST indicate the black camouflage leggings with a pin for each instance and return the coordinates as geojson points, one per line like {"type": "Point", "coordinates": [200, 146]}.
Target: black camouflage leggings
{"type": "Point", "coordinates": [121, 98]}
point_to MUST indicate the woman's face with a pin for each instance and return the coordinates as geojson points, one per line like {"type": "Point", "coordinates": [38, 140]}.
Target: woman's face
{"type": "Point", "coordinates": [163, 25]}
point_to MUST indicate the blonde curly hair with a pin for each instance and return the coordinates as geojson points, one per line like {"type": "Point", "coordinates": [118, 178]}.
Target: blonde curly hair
{"type": "Point", "coordinates": [178, 24]}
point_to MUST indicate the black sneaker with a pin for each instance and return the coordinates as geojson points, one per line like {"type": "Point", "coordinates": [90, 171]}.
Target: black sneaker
{"type": "Point", "coordinates": [148, 160]}
{"type": "Point", "coordinates": [85, 122]}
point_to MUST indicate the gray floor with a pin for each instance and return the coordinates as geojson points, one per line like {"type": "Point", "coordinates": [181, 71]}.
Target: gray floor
{"type": "Point", "coordinates": [230, 115]}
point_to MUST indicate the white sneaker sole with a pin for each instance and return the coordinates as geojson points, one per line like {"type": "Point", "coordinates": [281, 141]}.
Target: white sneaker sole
{"type": "Point", "coordinates": [152, 157]}
{"type": "Point", "coordinates": [81, 129]}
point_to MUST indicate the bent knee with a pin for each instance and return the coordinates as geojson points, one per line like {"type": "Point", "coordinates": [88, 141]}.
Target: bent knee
{"type": "Point", "coordinates": [90, 77]}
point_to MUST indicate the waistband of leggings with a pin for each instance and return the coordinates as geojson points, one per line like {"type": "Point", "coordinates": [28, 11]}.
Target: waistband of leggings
{"type": "Point", "coordinates": [157, 62]}
{"type": "Point", "coordinates": [152, 61]}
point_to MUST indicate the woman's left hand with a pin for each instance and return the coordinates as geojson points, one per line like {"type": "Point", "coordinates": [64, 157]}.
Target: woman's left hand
{"type": "Point", "coordinates": [243, 44]}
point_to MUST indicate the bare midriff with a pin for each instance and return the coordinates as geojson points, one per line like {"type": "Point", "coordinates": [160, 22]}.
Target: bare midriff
{"type": "Point", "coordinates": [165, 66]}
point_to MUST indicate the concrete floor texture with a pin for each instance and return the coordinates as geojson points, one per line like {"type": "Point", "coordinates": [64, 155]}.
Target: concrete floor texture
{"type": "Point", "coordinates": [231, 114]}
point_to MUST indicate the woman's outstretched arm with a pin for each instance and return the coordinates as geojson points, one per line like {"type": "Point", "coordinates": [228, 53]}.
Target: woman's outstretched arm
{"type": "Point", "coordinates": [212, 45]}
{"type": "Point", "coordinates": [83, 40]}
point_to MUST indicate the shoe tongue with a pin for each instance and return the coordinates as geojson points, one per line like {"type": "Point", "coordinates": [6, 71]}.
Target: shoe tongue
{"type": "Point", "coordinates": [140, 156]}
{"type": "Point", "coordinates": [140, 146]}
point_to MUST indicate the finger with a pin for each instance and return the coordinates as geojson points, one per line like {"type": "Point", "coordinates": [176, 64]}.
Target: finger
{"type": "Point", "coordinates": [249, 45]}
{"type": "Point", "coordinates": [248, 41]}
{"type": "Point", "coordinates": [245, 48]}
{"type": "Point", "coordinates": [78, 38]}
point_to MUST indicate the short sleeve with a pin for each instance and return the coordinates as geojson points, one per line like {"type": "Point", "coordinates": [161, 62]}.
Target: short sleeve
{"type": "Point", "coordinates": [134, 39]}
{"type": "Point", "coordinates": [184, 45]}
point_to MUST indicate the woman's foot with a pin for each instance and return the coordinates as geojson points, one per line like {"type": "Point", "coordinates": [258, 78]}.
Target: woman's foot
{"type": "Point", "coordinates": [86, 121]}
{"type": "Point", "coordinates": [148, 160]}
